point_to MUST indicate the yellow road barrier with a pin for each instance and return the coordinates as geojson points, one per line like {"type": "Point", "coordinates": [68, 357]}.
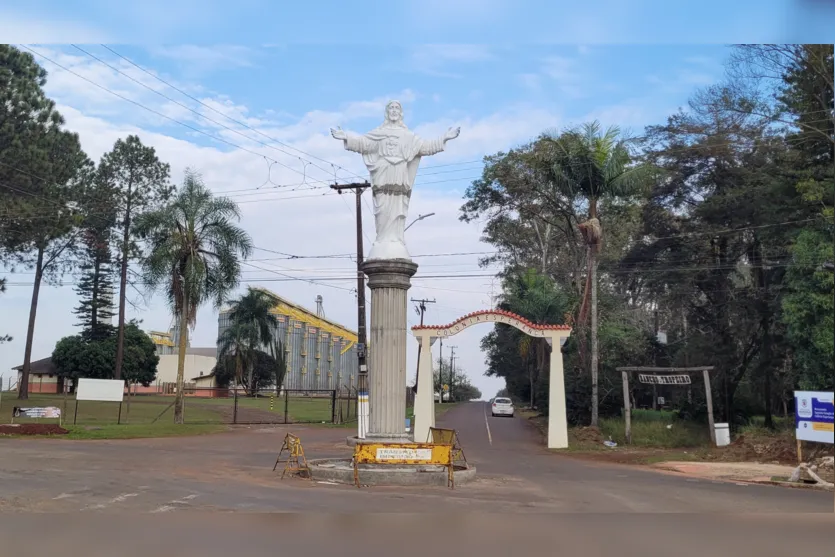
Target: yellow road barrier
{"type": "Point", "coordinates": [296, 462]}
{"type": "Point", "coordinates": [442, 436]}
{"type": "Point", "coordinates": [404, 454]}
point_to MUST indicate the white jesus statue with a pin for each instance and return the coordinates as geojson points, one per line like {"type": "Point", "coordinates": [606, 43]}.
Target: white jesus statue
{"type": "Point", "coordinates": [392, 154]}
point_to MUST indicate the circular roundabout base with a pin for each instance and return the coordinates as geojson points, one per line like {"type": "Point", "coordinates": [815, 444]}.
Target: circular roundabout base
{"type": "Point", "coordinates": [341, 470]}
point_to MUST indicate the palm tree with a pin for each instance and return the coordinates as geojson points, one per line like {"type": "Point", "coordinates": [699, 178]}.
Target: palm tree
{"type": "Point", "coordinates": [280, 366]}
{"type": "Point", "coordinates": [234, 343]}
{"type": "Point", "coordinates": [595, 166]}
{"type": "Point", "coordinates": [252, 325]}
{"type": "Point", "coordinates": [194, 253]}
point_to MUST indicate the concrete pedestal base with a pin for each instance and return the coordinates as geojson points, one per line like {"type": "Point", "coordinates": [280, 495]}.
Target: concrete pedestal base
{"type": "Point", "coordinates": [341, 470]}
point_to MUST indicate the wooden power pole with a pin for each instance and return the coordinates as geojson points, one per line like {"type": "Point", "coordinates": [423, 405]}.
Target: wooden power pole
{"type": "Point", "coordinates": [362, 344]}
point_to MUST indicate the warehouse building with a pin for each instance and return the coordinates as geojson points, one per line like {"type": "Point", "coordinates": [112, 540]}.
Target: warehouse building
{"type": "Point", "coordinates": [320, 354]}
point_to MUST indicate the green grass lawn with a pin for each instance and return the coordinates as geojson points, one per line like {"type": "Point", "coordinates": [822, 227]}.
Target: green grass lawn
{"type": "Point", "coordinates": [138, 431]}
{"type": "Point", "coordinates": [157, 409]}
{"type": "Point", "coordinates": [657, 429]}
{"type": "Point", "coordinates": [152, 415]}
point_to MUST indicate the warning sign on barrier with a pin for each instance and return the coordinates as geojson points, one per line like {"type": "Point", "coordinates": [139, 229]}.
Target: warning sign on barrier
{"type": "Point", "coordinates": [404, 453]}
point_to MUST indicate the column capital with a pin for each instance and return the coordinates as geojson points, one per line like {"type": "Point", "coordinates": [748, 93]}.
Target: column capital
{"type": "Point", "coordinates": [389, 273]}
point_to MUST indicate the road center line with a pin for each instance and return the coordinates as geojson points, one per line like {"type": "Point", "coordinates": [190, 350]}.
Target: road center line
{"type": "Point", "coordinates": [487, 424]}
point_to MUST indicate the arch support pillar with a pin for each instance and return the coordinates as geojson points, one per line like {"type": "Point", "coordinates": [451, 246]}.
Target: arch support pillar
{"type": "Point", "coordinates": [425, 399]}
{"type": "Point", "coordinates": [557, 413]}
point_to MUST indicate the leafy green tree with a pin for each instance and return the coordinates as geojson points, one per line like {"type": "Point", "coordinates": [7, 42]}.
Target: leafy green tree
{"type": "Point", "coordinates": [141, 356]}
{"type": "Point", "coordinates": [194, 254]}
{"type": "Point", "coordinates": [807, 97]}
{"type": "Point", "coordinates": [42, 171]}
{"type": "Point", "coordinates": [542, 204]}
{"type": "Point", "coordinates": [79, 356]}
{"type": "Point", "coordinates": [139, 181]}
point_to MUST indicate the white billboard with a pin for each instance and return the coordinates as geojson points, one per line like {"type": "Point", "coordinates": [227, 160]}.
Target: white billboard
{"type": "Point", "coordinates": [814, 416]}
{"type": "Point", "coordinates": [107, 390]}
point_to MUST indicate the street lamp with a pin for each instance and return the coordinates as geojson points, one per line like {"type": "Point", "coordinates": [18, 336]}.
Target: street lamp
{"type": "Point", "coordinates": [420, 217]}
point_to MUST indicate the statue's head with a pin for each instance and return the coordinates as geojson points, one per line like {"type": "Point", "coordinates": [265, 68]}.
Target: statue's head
{"type": "Point", "coordinates": [394, 113]}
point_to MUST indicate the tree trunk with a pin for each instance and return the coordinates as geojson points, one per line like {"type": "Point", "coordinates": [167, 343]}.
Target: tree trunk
{"type": "Point", "coordinates": [595, 356]}
{"type": "Point", "coordinates": [94, 297]}
{"type": "Point", "coordinates": [250, 386]}
{"type": "Point", "coordinates": [23, 387]}
{"type": "Point", "coordinates": [179, 397]}
{"type": "Point", "coordinates": [123, 283]}
{"type": "Point", "coordinates": [530, 380]}
{"type": "Point", "coordinates": [767, 371]}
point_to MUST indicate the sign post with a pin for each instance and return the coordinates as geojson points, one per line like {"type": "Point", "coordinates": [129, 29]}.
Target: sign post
{"type": "Point", "coordinates": [101, 390]}
{"type": "Point", "coordinates": [814, 416]}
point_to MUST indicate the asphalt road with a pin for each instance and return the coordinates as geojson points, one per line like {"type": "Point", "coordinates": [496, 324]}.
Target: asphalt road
{"type": "Point", "coordinates": [509, 450]}
{"type": "Point", "coordinates": [233, 472]}
{"type": "Point", "coordinates": [173, 483]}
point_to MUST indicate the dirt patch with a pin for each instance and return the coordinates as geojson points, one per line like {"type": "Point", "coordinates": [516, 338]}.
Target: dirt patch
{"type": "Point", "coordinates": [744, 471]}
{"type": "Point", "coordinates": [588, 434]}
{"type": "Point", "coordinates": [32, 429]}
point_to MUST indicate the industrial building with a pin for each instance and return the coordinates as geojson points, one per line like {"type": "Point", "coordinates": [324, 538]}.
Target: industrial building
{"type": "Point", "coordinates": [320, 354]}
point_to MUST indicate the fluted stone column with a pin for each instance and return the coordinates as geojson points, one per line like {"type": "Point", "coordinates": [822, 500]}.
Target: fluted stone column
{"type": "Point", "coordinates": [389, 281]}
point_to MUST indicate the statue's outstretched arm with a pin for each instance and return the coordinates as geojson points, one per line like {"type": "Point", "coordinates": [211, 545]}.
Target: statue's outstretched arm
{"type": "Point", "coordinates": [353, 142]}
{"type": "Point", "coordinates": [433, 146]}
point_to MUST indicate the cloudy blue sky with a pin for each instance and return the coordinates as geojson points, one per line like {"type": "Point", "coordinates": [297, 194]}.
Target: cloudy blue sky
{"type": "Point", "coordinates": [269, 91]}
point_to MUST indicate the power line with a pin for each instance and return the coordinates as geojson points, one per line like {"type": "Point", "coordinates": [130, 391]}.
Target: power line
{"type": "Point", "coordinates": [225, 115]}
{"type": "Point", "coordinates": [309, 281]}
{"type": "Point", "coordinates": [163, 95]}
{"type": "Point", "coordinates": [157, 113]}
{"type": "Point", "coordinates": [475, 275]}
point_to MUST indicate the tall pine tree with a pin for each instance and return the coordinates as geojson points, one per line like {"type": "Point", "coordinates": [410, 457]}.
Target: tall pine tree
{"type": "Point", "coordinates": [141, 184]}
{"type": "Point", "coordinates": [95, 285]}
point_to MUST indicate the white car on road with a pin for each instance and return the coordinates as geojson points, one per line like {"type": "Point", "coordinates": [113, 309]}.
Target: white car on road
{"type": "Point", "coordinates": [502, 407]}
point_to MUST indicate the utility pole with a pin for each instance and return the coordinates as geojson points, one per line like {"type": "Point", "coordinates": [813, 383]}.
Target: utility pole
{"type": "Point", "coordinates": [441, 374]}
{"type": "Point", "coordinates": [362, 345]}
{"type": "Point", "coordinates": [421, 309]}
{"type": "Point", "coordinates": [451, 370]}
{"type": "Point", "coordinates": [655, 356]}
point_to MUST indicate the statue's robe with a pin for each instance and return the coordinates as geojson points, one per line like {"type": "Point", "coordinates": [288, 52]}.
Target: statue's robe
{"type": "Point", "coordinates": [392, 154]}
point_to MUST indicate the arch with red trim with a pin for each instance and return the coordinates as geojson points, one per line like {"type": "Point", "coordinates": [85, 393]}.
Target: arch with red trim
{"type": "Point", "coordinates": [554, 334]}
